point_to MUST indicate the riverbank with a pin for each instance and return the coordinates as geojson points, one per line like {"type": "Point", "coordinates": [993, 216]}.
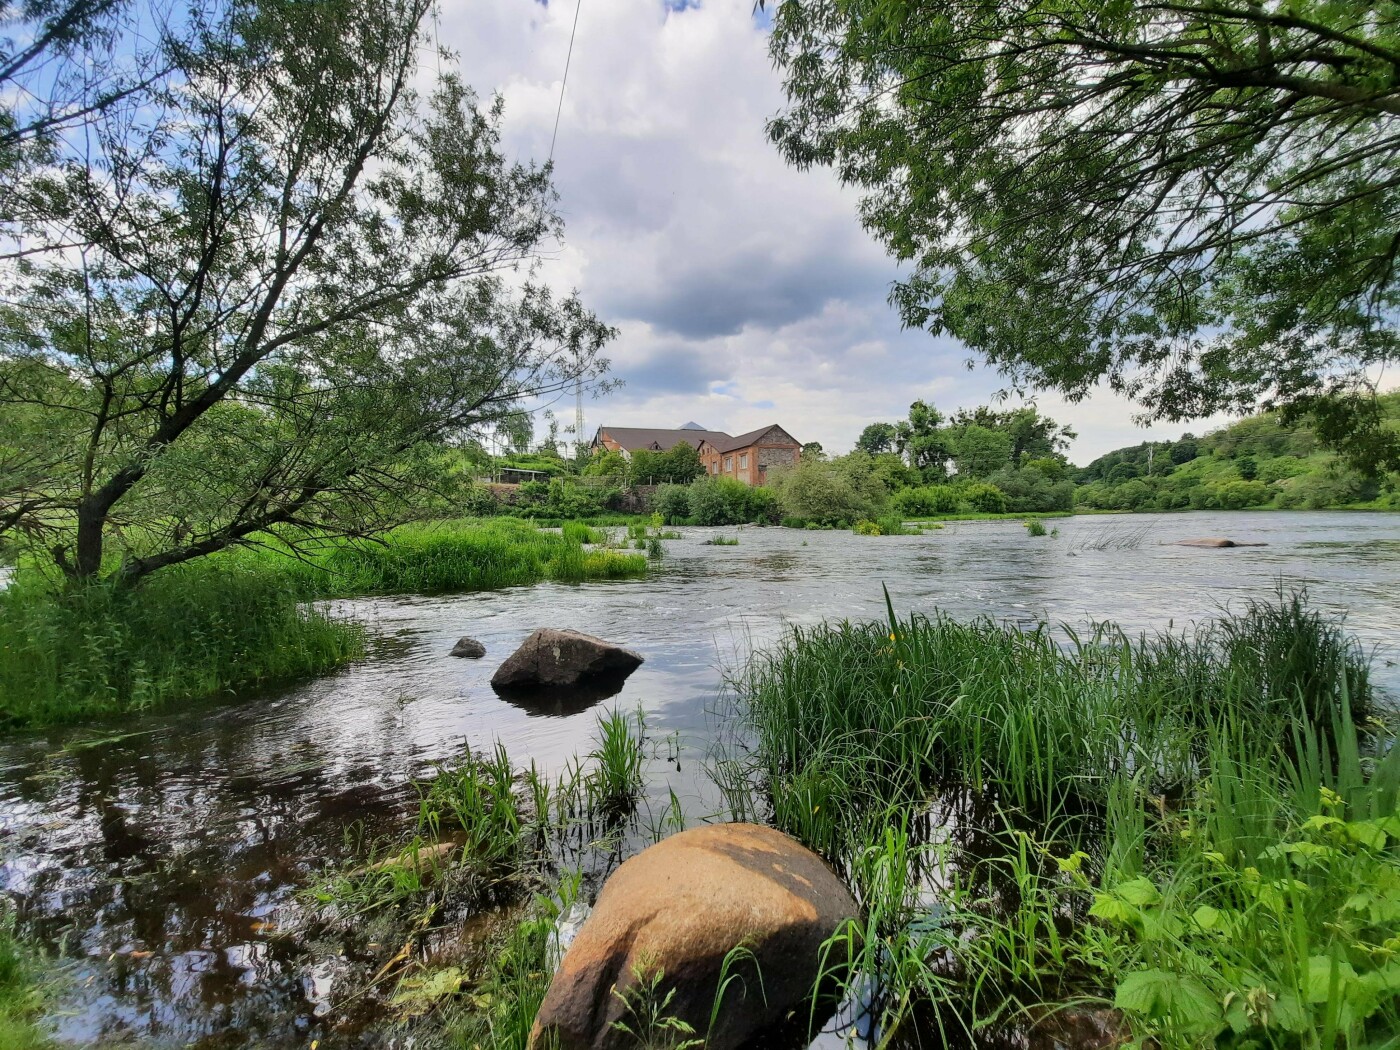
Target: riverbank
{"type": "Point", "coordinates": [22, 990]}
{"type": "Point", "coordinates": [1184, 835]}
{"type": "Point", "coordinates": [212, 818]}
{"type": "Point", "coordinates": [245, 619]}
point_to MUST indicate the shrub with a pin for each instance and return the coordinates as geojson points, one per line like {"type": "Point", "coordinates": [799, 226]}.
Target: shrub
{"type": "Point", "coordinates": [984, 498]}
{"type": "Point", "coordinates": [866, 528]}
{"type": "Point", "coordinates": [672, 502]}
{"type": "Point", "coordinates": [1032, 491]}
{"type": "Point", "coordinates": [1236, 495]}
{"type": "Point", "coordinates": [926, 499]}
{"type": "Point", "coordinates": [719, 501]}
{"type": "Point", "coordinates": [822, 493]}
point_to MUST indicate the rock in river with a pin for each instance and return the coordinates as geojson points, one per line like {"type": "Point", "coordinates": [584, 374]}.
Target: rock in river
{"type": "Point", "coordinates": [679, 907]}
{"type": "Point", "coordinates": [550, 658]}
{"type": "Point", "coordinates": [469, 647]}
{"type": "Point", "coordinates": [1216, 541]}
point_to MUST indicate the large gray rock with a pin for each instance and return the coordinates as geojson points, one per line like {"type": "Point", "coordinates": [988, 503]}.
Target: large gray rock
{"type": "Point", "coordinates": [680, 907]}
{"type": "Point", "coordinates": [551, 657]}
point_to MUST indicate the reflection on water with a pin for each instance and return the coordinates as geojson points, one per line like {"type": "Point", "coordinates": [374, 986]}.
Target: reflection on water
{"type": "Point", "coordinates": [156, 850]}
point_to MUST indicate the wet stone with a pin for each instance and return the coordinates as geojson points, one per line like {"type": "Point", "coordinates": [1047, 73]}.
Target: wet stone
{"type": "Point", "coordinates": [469, 648]}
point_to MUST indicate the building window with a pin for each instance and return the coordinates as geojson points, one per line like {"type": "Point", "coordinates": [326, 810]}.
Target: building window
{"type": "Point", "coordinates": [729, 463]}
{"type": "Point", "coordinates": [714, 467]}
{"type": "Point", "coordinates": [743, 460]}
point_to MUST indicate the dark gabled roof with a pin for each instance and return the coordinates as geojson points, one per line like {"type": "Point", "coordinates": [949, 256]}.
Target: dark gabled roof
{"type": "Point", "coordinates": [729, 444]}
{"type": "Point", "coordinates": [634, 439]}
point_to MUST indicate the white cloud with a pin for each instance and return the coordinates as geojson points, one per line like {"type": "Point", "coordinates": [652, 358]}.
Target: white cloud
{"type": "Point", "coordinates": [745, 291]}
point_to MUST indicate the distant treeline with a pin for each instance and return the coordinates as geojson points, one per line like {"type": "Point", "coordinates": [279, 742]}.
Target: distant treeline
{"type": "Point", "coordinates": [1257, 462]}
{"type": "Point", "coordinates": [973, 462]}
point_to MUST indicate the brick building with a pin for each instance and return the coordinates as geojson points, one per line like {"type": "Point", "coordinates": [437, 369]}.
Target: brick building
{"type": "Point", "coordinates": [746, 457]}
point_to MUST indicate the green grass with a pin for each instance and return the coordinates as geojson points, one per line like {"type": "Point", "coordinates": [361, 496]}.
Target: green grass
{"type": "Point", "coordinates": [518, 843]}
{"type": "Point", "coordinates": [244, 619]}
{"type": "Point", "coordinates": [196, 631]}
{"type": "Point", "coordinates": [22, 991]}
{"type": "Point", "coordinates": [1035, 528]}
{"type": "Point", "coordinates": [459, 556]}
{"type": "Point", "coordinates": [1187, 826]}
{"type": "Point", "coordinates": [924, 519]}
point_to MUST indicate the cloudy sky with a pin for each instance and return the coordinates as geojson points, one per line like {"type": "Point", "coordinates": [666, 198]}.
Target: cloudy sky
{"type": "Point", "coordinates": [745, 291]}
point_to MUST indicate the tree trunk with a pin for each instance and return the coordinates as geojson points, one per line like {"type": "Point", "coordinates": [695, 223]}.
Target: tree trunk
{"type": "Point", "coordinates": [87, 560]}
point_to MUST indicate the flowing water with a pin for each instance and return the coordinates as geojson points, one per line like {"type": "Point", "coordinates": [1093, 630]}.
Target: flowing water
{"type": "Point", "coordinates": [154, 851]}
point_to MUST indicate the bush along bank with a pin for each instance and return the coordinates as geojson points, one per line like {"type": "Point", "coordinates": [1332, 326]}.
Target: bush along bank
{"type": "Point", "coordinates": [1195, 835]}
{"type": "Point", "coordinates": [245, 619]}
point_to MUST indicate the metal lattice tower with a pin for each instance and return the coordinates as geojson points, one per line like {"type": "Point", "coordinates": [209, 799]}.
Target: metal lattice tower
{"type": "Point", "coordinates": [578, 417]}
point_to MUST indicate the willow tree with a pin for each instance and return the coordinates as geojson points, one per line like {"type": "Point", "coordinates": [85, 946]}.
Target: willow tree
{"type": "Point", "coordinates": [259, 289]}
{"type": "Point", "coordinates": [1196, 201]}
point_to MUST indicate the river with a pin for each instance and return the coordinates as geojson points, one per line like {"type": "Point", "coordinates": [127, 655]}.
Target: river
{"type": "Point", "coordinates": [154, 851]}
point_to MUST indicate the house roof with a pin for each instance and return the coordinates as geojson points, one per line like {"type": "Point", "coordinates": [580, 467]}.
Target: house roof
{"type": "Point", "coordinates": [729, 444]}
{"type": "Point", "coordinates": [634, 439]}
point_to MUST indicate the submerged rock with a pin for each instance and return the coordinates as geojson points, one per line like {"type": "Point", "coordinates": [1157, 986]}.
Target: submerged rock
{"type": "Point", "coordinates": [552, 657]}
{"type": "Point", "coordinates": [1078, 1027]}
{"type": "Point", "coordinates": [678, 909]}
{"type": "Point", "coordinates": [469, 648]}
{"type": "Point", "coordinates": [1216, 541]}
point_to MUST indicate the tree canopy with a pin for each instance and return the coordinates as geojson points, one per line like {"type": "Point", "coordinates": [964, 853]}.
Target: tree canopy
{"type": "Point", "coordinates": [1196, 201]}
{"type": "Point", "coordinates": [877, 438]}
{"type": "Point", "coordinates": [263, 287]}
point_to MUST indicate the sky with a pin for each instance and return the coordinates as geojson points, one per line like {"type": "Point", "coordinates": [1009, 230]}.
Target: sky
{"type": "Point", "coordinates": [744, 291]}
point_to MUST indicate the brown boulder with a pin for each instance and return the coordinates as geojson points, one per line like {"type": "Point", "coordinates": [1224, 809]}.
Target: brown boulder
{"type": "Point", "coordinates": [678, 908]}
{"type": "Point", "coordinates": [552, 657]}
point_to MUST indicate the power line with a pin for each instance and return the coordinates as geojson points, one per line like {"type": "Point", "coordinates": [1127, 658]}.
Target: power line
{"type": "Point", "coordinates": [564, 83]}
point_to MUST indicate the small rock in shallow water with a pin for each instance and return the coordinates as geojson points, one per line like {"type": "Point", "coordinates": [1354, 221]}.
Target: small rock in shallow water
{"type": "Point", "coordinates": [1216, 541]}
{"type": "Point", "coordinates": [470, 648]}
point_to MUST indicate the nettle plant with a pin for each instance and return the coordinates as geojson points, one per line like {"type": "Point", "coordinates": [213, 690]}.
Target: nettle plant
{"type": "Point", "coordinates": [1296, 946]}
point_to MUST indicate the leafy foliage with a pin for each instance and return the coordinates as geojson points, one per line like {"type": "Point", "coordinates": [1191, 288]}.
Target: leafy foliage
{"type": "Point", "coordinates": [1194, 202]}
{"type": "Point", "coordinates": [321, 310]}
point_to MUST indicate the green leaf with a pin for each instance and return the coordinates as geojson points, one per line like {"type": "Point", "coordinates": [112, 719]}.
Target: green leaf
{"type": "Point", "coordinates": [1113, 909]}
{"type": "Point", "coordinates": [1320, 970]}
{"type": "Point", "coordinates": [1367, 833]}
{"type": "Point", "coordinates": [1162, 995]}
{"type": "Point", "coordinates": [1140, 892]}
{"type": "Point", "coordinates": [1208, 918]}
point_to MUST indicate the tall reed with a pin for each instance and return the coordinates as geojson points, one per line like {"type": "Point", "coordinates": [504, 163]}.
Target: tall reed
{"type": "Point", "coordinates": [1188, 826]}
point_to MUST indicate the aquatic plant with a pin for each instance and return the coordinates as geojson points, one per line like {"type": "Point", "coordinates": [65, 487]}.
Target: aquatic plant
{"type": "Point", "coordinates": [1114, 538]}
{"type": "Point", "coordinates": [190, 632]}
{"type": "Point", "coordinates": [1034, 527]}
{"type": "Point", "coordinates": [1187, 826]}
{"type": "Point", "coordinates": [721, 541]}
{"type": "Point", "coordinates": [578, 532]}
{"type": "Point", "coordinates": [244, 618]}
{"type": "Point", "coordinates": [616, 779]}
{"type": "Point", "coordinates": [23, 989]}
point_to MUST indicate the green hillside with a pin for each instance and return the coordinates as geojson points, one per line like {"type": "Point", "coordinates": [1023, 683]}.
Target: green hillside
{"type": "Point", "coordinates": [1256, 462]}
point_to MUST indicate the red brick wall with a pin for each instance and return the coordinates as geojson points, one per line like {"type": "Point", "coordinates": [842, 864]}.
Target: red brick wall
{"type": "Point", "coordinates": [752, 457]}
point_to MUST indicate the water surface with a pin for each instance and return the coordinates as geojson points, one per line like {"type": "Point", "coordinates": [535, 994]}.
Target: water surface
{"type": "Point", "coordinates": [156, 850]}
